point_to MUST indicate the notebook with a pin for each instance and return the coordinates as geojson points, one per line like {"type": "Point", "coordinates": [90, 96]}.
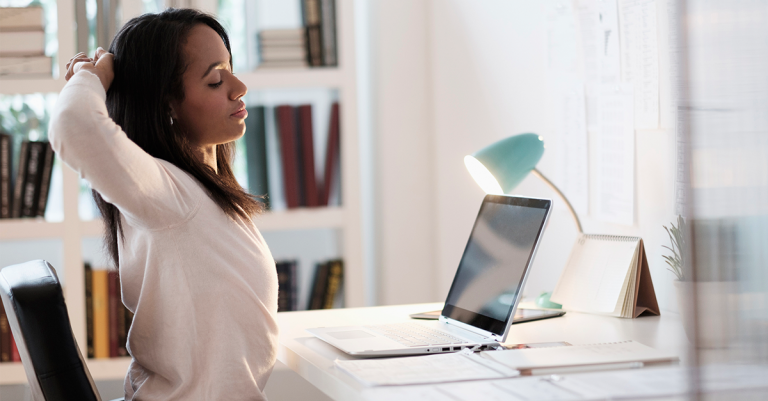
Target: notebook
{"type": "Point", "coordinates": [607, 275]}
{"type": "Point", "coordinates": [486, 288]}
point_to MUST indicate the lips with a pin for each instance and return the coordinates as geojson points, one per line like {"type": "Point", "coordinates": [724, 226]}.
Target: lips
{"type": "Point", "coordinates": [240, 113]}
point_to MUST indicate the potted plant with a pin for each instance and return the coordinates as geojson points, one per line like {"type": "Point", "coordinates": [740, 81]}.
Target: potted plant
{"type": "Point", "coordinates": [705, 304]}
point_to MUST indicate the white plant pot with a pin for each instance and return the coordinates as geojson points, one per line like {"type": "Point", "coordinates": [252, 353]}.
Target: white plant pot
{"type": "Point", "coordinates": [712, 323]}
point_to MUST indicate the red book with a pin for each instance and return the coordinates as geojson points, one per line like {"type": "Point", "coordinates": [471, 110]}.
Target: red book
{"type": "Point", "coordinates": [5, 336]}
{"type": "Point", "coordinates": [113, 282]}
{"type": "Point", "coordinates": [312, 195]}
{"type": "Point", "coordinates": [331, 154]}
{"type": "Point", "coordinates": [288, 146]}
{"type": "Point", "coordinates": [15, 356]}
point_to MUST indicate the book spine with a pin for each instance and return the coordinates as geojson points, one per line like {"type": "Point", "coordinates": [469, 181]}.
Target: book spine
{"type": "Point", "coordinates": [286, 291]}
{"type": "Point", "coordinates": [100, 314]}
{"type": "Point", "coordinates": [113, 284]}
{"type": "Point", "coordinates": [308, 156]}
{"type": "Point", "coordinates": [288, 152]}
{"type": "Point", "coordinates": [15, 356]}
{"type": "Point", "coordinates": [331, 154]}
{"type": "Point", "coordinates": [312, 23]}
{"type": "Point", "coordinates": [21, 18]}
{"type": "Point", "coordinates": [328, 8]}
{"type": "Point", "coordinates": [335, 275]}
{"type": "Point", "coordinates": [319, 287]}
{"type": "Point", "coordinates": [21, 174]}
{"type": "Point", "coordinates": [5, 336]}
{"type": "Point", "coordinates": [122, 332]}
{"type": "Point", "coordinates": [22, 43]}
{"type": "Point", "coordinates": [5, 176]}
{"type": "Point", "coordinates": [89, 309]}
{"type": "Point", "coordinates": [256, 149]}
{"type": "Point", "coordinates": [32, 181]}
{"type": "Point", "coordinates": [45, 180]}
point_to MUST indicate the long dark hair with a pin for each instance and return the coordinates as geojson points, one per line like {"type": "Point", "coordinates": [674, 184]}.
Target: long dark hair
{"type": "Point", "coordinates": [149, 64]}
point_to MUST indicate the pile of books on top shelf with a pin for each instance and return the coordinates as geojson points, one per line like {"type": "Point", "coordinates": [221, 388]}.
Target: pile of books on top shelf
{"type": "Point", "coordinates": [107, 319]}
{"type": "Point", "coordinates": [326, 291]}
{"type": "Point", "coordinates": [314, 45]}
{"type": "Point", "coordinates": [22, 43]}
{"type": "Point", "coordinates": [300, 184]}
{"type": "Point", "coordinates": [27, 194]}
{"type": "Point", "coordinates": [8, 350]}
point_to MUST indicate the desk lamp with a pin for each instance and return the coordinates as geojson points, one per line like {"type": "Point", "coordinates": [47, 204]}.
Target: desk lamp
{"type": "Point", "coordinates": [501, 166]}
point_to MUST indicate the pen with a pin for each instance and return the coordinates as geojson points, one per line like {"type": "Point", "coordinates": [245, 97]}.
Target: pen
{"type": "Point", "coordinates": [581, 368]}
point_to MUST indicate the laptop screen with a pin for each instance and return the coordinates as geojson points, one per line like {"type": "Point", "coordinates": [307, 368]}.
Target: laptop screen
{"type": "Point", "coordinates": [495, 261]}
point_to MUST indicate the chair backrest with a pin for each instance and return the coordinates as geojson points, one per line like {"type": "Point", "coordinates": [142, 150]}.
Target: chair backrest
{"type": "Point", "coordinates": [39, 321]}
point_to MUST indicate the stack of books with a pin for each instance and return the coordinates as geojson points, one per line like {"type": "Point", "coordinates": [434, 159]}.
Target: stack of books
{"type": "Point", "coordinates": [302, 185]}
{"type": "Point", "coordinates": [313, 45]}
{"type": "Point", "coordinates": [282, 48]}
{"type": "Point", "coordinates": [107, 319]}
{"type": "Point", "coordinates": [27, 195]}
{"type": "Point", "coordinates": [8, 350]}
{"type": "Point", "coordinates": [22, 43]}
{"type": "Point", "coordinates": [326, 290]}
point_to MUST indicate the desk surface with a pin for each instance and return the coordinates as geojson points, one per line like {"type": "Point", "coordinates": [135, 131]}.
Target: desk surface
{"type": "Point", "coordinates": [314, 359]}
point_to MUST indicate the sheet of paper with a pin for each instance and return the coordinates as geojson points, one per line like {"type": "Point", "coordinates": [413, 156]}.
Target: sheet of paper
{"type": "Point", "coordinates": [569, 144]}
{"type": "Point", "coordinates": [423, 369]}
{"type": "Point", "coordinates": [640, 58]}
{"type": "Point", "coordinates": [615, 155]}
{"type": "Point", "coordinates": [608, 50]}
{"type": "Point", "coordinates": [562, 49]}
{"type": "Point", "coordinates": [587, 20]}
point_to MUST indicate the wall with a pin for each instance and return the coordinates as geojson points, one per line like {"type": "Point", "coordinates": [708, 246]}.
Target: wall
{"type": "Point", "coordinates": [486, 79]}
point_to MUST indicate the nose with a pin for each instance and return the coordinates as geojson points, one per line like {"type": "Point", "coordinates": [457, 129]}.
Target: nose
{"type": "Point", "coordinates": [238, 89]}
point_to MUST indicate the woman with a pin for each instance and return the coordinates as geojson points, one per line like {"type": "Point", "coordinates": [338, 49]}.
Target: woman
{"type": "Point", "coordinates": [151, 124]}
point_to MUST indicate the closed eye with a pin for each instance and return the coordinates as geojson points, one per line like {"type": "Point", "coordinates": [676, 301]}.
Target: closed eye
{"type": "Point", "coordinates": [217, 84]}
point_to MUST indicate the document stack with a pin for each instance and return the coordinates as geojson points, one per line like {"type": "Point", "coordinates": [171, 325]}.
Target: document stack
{"type": "Point", "coordinates": [22, 43]}
{"type": "Point", "coordinates": [283, 48]}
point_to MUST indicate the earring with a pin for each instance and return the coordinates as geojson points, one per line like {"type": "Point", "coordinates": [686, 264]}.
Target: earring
{"type": "Point", "coordinates": [171, 120]}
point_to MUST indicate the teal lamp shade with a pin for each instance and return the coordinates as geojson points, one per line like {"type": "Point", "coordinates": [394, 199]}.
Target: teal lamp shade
{"type": "Point", "coordinates": [501, 166]}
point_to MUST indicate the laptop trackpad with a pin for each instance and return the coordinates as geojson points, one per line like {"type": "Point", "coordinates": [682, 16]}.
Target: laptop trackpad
{"type": "Point", "coordinates": [350, 334]}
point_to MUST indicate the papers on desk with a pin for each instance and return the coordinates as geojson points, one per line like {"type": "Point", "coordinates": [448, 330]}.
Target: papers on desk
{"type": "Point", "coordinates": [425, 369]}
{"type": "Point", "coordinates": [634, 383]}
{"type": "Point", "coordinates": [495, 364]}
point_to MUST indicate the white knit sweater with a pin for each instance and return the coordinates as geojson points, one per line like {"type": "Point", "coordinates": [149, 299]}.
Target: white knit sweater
{"type": "Point", "coordinates": [202, 285]}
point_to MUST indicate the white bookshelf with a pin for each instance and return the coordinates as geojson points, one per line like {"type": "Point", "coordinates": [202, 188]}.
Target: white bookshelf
{"type": "Point", "coordinates": [71, 230]}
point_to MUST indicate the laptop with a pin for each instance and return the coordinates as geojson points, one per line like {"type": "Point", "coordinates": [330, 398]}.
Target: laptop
{"type": "Point", "coordinates": [483, 298]}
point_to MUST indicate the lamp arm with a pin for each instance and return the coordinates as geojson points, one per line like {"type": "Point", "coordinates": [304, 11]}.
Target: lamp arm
{"type": "Point", "coordinates": [562, 196]}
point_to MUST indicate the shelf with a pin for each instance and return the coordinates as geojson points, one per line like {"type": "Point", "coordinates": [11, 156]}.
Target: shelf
{"type": "Point", "coordinates": [292, 77]}
{"type": "Point", "coordinates": [21, 86]}
{"type": "Point", "coordinates": [300, 219]}
{"type": "Point", "coordinates": [12, 373]}
{"type": "Point", "coordinates": [109, 369]}
{"type": "Point", "coordinates": [30, 228]}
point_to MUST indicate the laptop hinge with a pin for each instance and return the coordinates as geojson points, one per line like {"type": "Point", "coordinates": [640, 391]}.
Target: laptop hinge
{"type": "Point", "coordinates": [471, 329]}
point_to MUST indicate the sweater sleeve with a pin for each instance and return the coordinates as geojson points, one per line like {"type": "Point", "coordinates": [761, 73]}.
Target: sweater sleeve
{"type": "Point", "coordinates": [150, 192]}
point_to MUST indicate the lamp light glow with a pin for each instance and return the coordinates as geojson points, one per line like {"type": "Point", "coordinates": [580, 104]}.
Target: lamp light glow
{"type": "Point", "coordinates": [482, 176]}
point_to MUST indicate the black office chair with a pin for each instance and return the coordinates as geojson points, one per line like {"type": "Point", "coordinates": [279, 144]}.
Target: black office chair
{"type": "Point", "coordinates": [39, 321]}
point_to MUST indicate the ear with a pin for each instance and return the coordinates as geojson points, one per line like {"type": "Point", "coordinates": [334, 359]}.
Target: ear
{"type": "Point", "coordinates": [173, 111]}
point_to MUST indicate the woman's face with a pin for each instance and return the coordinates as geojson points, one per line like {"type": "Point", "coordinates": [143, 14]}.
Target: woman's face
{"type": "Point", "coordinates": [212, 111]}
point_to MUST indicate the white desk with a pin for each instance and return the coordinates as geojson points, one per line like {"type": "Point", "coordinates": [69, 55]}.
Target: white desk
{"type": "Point", "coordinates": [313, 359]}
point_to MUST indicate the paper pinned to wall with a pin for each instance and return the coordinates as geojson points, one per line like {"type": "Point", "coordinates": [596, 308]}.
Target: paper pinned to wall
{"type": "Point", "coordinates": [570, 144]}
{"type": "Point", "coordinates": [640, 58]}
{"type": "Point", "coordinates": [562, 52]}
{"type": "Point", "coordinates": [615, 150]}
{"type": "Point", "coordinates": [608, 46]}
{"type": "Point", "coordinates": [587, 20]}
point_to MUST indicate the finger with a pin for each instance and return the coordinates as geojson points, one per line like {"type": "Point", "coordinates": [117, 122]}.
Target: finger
{"type": "Point", "coordinates": [82, 57]}
{"type": "Point", "coordinates": [71, 70]}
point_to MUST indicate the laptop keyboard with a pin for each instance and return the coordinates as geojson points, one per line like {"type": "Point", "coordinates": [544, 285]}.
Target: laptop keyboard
{"type": "Point", "coordinates": [415, 335]}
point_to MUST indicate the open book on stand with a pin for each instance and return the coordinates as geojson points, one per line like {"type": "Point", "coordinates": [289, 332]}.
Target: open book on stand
{"type": "Point", "coordinates": [607, 275]}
